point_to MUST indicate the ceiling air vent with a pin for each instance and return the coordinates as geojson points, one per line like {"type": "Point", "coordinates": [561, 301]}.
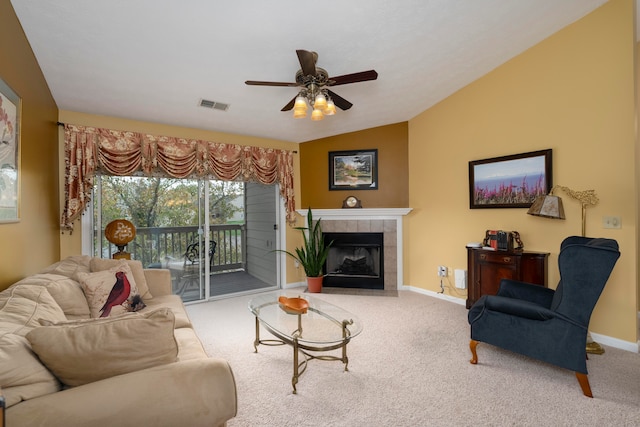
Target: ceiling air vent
{"type": "Point", "coordinates": [214, 105]}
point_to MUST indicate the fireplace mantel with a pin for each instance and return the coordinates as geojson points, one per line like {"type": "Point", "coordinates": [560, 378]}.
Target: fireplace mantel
{"type": "Point", "coordinates": [387, 220]}
{"type": "Point", "coordinates": [357, 213]}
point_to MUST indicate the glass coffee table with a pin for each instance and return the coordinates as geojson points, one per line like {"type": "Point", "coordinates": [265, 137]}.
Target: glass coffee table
{"type": "Point", "coordinates": [308, 324]}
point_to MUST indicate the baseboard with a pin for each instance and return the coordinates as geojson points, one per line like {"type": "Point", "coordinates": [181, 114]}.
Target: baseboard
{"type": "Point", "coordinates": [295, 285]}
{"type": "Point", "coordinates": [455, 300]}
{"type": "Point", "coordinates": [615, 342]}
{"type": "Point", "coordinates": [601, 339]}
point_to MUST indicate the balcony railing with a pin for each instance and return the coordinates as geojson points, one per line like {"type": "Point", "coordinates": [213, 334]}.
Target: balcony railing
{"type": "Point", "coordinates": [162, 246]}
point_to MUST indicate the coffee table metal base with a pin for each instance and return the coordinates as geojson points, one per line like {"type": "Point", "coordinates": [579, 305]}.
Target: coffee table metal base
{"type": "Point", "coordinates": [305, 349]}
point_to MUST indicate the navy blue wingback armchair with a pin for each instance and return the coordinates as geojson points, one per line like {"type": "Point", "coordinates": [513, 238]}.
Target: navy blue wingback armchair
{"type": "Point", "coordinates": [545, 324]}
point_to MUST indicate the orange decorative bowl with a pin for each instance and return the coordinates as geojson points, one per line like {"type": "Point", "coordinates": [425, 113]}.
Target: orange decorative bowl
{"type": "Point", "coordinates": [293, 305]}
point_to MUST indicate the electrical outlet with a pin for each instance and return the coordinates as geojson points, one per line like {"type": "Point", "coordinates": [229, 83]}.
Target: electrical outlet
{"type": "Point", "coordinates": [442, 271]}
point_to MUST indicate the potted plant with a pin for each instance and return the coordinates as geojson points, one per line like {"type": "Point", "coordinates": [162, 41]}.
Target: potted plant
{"type": "Point", "coordinates": [312, 254]}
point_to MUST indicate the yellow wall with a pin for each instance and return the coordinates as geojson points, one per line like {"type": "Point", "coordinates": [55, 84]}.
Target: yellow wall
{"type": "Point", "coordinates": [393, 175]}
{"type": "Point", "coordinates": [32, 243]}
{"type": "Point", "coordinates": [573, 93]}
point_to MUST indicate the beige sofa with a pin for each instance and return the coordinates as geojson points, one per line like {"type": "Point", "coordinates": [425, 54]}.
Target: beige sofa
{"type": "Point", "coordinates": [60, 367]}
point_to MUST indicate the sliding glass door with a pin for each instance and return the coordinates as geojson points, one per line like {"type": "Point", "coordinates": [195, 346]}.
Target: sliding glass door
{"type": "Point", "coordinates": [169, 218]}
{"type": "Point", "coordinates": [195, 228]}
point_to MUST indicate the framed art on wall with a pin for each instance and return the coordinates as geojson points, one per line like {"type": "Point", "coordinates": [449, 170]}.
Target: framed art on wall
{"type": "Point", "coordinates": [9, 154]}
{"type": "Point", "coordinates": [353, 170]}
{"type": "Point", "coordinates": [510, 181]}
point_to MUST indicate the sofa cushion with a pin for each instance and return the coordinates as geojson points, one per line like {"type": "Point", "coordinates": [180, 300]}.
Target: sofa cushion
{"type": "Point", "coordinates": [84, 351]}
{"type": "Point", "coordinates": [109, 292]}
{"type": "Point", "coordinates": [100, 264]}
{"type": "Point", "coordinates": [189, 345]}
{"type": "Point", "coordinates": [174, 302]}
{"type": "Point", "coordinates": [65, 291]}
{"type": "Point", "coordinates": [22, 376]}
{"type": "Point", "coordinates": [70, 266]}
{"type": "Point", "coordinates": [22, 306]}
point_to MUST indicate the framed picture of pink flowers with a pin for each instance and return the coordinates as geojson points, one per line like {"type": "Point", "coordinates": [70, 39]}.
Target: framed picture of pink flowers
{"type": "Point", "coordinates": [513, 181]}
{"type": "Point", "coordinates": [9, 154]}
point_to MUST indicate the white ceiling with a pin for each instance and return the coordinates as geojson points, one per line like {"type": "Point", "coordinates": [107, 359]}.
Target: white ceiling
{"type": "Point", "coordinates": [154, 60]}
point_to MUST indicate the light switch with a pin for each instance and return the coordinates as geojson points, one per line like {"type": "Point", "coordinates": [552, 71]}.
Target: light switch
{"type": "Point", "coordinates": [611, 222]}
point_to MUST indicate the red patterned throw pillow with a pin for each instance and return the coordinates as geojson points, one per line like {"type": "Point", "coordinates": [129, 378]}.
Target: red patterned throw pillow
{"type": "Point", "coordinates": [111, 291]}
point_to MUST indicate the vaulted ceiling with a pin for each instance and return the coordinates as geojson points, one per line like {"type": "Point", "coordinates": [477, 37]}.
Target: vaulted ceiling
{"type": "Point", "coordinates": [156, 60]}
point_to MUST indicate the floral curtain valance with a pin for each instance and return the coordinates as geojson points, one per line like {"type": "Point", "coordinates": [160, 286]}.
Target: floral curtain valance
{"type": "Point", "coordinates": [89, 150]}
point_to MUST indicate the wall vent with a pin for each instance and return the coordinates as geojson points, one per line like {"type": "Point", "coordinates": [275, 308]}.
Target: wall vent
{"type": "Point", "coordinates": [214, 105]}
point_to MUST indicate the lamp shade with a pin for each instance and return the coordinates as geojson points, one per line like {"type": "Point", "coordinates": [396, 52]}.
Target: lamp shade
{"type": "Point", "coordinates": [331, 108]}
{"type": "Point", "coordinates": [120, 232]}
{"type": "Point", "coordinates": [299, 113]}
{"type": "Point", "coordinates": [320, 102]}
{"type": "Point", "coordinates": [317, 115]}
{"type": "Point", "coordinates": [301, 103]}
{"type": "Point", "coordinates": [548, 206]}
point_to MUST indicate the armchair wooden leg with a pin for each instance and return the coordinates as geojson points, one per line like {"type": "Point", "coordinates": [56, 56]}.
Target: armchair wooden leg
{"type": "Point", "coordinates": [584, 384]}
{"type": "Point", "coordinates": [474, 356]}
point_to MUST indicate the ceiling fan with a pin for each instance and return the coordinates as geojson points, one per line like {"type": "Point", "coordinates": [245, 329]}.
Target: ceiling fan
{"type": "Point", "coordinates": [314, 83]}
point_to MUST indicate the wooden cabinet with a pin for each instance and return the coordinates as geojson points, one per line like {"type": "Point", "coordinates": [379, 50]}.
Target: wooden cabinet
{"type": "Point", "coordinates": [486, 268]}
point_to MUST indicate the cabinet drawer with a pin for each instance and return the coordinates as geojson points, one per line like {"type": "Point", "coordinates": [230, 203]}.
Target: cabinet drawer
{"type": "Point", "coordinates": [496, 258]}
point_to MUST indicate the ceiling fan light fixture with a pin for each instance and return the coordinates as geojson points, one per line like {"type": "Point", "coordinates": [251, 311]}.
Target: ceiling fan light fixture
{"type": "Point", "coordinates": [312, 83]}
{"type": "Point", "coordinates": [316, 114]}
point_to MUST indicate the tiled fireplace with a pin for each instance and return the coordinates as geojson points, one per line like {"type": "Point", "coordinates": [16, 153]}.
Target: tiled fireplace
{"type": "Point", "coordinates": [387, 221]}
{"type": "Point", "coordinates": [355, 260]}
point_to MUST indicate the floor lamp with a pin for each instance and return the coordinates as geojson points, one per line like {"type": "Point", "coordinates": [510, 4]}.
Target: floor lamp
{"type": "Point", "coordinates": [550, 206]}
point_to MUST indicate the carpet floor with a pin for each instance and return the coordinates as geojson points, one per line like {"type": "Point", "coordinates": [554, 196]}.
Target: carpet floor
{"type": "Point", "coordinates": [410, 367]}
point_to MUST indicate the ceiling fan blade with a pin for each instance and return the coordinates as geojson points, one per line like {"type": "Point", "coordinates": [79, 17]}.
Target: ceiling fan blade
{"type": "Point", "coordinates": [307, 61]}
{"type": "Point", "coordinates": [259, 83]}
{"type": "Point", "coordinates": [362, 76]}
{"type": "Point", "coordinates": [289, 106]}
{"type": "Point", "coordinates": [339, 101]}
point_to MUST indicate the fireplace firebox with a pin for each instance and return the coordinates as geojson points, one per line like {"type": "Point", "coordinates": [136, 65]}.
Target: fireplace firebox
{"type": "Point", "coordinates": [355, 260]}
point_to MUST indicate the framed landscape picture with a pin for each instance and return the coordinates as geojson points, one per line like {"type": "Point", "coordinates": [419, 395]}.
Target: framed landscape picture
{"type": "Point", "coordinates": [9, 154]}
{"type": "Point", "coordinates": [353, 170]}
{"type": "Point", "coordinates": [510, 181]}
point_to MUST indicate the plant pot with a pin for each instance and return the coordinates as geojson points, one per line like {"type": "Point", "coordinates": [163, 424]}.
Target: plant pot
{"type": "Point", "coordinates": [314, 284]}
